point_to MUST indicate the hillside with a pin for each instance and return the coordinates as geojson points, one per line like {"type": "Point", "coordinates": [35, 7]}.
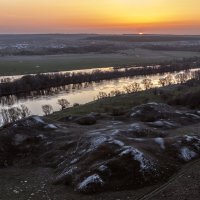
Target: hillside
{"type": "Point", "coordinates": [107, 156]}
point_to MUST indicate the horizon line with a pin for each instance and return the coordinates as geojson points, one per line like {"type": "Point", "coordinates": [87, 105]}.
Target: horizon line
{"type": "Point", "coordinates": [143, 34]}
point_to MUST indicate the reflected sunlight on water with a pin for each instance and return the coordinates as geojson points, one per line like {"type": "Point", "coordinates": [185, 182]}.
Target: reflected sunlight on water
{"type": "Point", "coordinates": [81, 94]}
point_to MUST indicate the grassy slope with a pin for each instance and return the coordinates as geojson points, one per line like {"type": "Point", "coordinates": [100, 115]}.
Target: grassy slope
{"type": "Point", "coordinates": [15, 65]}
{"type": "Point", "coordinates": [126, 101]}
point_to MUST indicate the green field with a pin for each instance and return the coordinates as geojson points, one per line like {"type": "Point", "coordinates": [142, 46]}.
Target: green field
{"type": "Point", "coordinates": [16, 65]}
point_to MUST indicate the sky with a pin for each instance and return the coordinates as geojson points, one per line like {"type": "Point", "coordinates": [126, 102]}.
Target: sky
{"type": "Point", "coordinates": [100, 16]}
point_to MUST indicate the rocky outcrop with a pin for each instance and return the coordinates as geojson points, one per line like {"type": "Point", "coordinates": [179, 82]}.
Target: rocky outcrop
{"type": "Point", "coordinates": [105, 162]}
{"type": "Point", "coordinates": [110, 155]}
{"type": "Point", "coordinates": [163, 116]}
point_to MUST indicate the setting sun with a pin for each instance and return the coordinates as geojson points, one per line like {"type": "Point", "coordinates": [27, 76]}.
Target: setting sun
{"type": "Point", "coordinates": [113, 16]}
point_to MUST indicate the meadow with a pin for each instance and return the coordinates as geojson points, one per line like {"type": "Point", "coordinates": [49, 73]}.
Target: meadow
{"type": "Point", "coordinates": [17, 65]}
{"type": "Point", "coordinates": [26, 54]}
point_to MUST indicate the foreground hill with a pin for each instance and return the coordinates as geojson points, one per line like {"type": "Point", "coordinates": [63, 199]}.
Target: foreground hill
{"type": "Point", "coordinates": [144, 152]}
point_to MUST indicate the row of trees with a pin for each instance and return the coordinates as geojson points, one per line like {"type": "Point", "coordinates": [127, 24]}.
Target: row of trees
{"type": "Point", "coordinates": [48, 109]}
{"type": "Point", "coordinates": [147, 84]}
{"type": "Point", "coordinates": [163, 81]}
{"type": "Point", "coordinates": [16, 113]}
{"type": "Point", "coordinates": [38, 82]}
{"type": "Point", "coordinates": [13, 114]}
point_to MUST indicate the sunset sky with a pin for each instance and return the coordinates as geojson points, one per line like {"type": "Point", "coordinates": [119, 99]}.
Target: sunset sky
{"type": "Point", "coordinates": [100, 16]}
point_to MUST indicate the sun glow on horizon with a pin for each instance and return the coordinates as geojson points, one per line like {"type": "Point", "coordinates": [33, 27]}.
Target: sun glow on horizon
{"type": "Point", "coordinates": [100, 16]}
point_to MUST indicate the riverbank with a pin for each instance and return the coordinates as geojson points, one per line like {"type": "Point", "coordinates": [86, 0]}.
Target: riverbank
{"type": "Point", "coordinates": [166, 94]}
{"type": "Point", "coordinates": [38, 82]}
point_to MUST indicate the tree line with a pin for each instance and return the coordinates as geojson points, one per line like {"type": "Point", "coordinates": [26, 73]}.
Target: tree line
{"type": "Point", "coordinates": [13, 114]}
{"type": "Point", "coordinates": [38, 82]}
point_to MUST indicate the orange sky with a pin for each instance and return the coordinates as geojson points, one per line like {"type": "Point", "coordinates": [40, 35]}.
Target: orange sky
{"type": "Point", "coordinates": [100, 16]}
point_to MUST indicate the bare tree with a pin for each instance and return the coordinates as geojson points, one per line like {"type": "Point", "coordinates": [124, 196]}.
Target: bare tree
{"type": "Point", "coordinates": [169, 79]}
{"type": "Point", "coordinates": [115, 93]}
{"type": "Point", "coordinates": [135, 87]}
{"type": "Point", "coordinates": [102, 95]}
{"type": "Point", "coordinates": [47, 109]}
{"type": "Point", "coordinates": [25, 112]}
{"type": "Point", "coordinates": [63, 103]}
{"type": "Point", "coordinates": [181, 78]}
{"type": "Point", "coordinates": [5, 116]}
{"type": "Point", "coordinates": [14, 114]}
{"type": "Point", "coordinates": [147, 83]}
{"type": "Point", "coordinates": [195, 75]}
{"type": "Point", "coordinates": [162, 82]}
{"type": "Point", "coordinates": [6, 80]}
{"type": "Point", "coordinates": [127, 89]}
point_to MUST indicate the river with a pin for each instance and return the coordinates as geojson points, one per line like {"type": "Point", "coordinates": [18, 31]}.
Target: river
{"type": "Point", "coordinates": [80, 94]}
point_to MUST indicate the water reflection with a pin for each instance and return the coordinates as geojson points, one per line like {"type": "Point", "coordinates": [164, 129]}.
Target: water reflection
{"type": "Point", "coordinates": [89, 71]}
{"type": "Point", "coordinates": [74, 93]}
